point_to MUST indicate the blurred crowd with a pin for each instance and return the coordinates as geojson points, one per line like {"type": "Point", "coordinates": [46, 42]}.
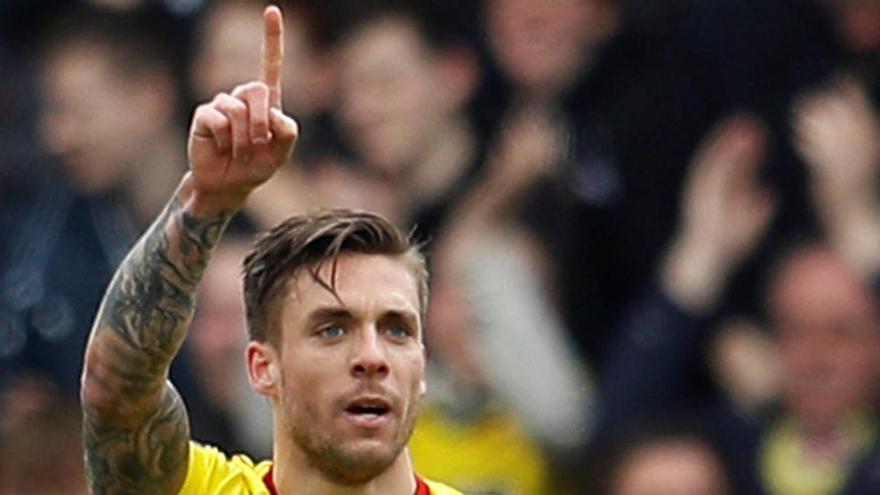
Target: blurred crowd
{"type": "Point", "coordinates": [653, 226]}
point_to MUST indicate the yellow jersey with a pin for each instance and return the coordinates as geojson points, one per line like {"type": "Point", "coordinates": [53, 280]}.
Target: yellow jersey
{"type": "Point", "coordinates": [211, 472]}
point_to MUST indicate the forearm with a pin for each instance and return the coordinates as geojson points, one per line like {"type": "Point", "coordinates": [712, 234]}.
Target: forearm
{"type": "Point", "coordinates": [145, 313]}
{"type": "Point", "coordinates": [517, 320]}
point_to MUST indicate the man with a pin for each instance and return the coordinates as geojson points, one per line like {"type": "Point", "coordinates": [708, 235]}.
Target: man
{"type": "Point", "coordinates": [663, 459]}
{"type": "Point", "coordinates": [335, 304]}
{"type": "Point", "coordinates": [101, 177]}
{"type": "Point", "coordinates": [406, 77]}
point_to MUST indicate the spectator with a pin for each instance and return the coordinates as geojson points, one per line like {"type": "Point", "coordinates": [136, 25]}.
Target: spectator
{"type": "Point", "coordinates": [96, 72]}
{"type": "Point", "coordinates": [34, 417]}
{"type": "Point", "coordinates": [626, 109]}
{"type": "Point", "coordinates": [545, 50]}
{"type": "Point", "coordinates": [664, 460]}
{"type": "Point", "coordinates": [92, 138]}
{"type": "Point", "coordinates": [407, 75]}
{"type": "Point", "coordinates": [824, 318]}
{"type": "Point", "coordinates": [224, 410]}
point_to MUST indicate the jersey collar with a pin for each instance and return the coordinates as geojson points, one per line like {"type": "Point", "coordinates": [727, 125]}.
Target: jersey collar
{"type": "Point", "coordinates": [421, 487]}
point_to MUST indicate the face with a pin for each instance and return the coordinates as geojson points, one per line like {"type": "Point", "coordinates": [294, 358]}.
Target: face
{"type": "Point", "coordinates": [541, 45]}
{"type": "Point", "coordinates": [352, 367]}
{"type": "Point", "coordinates": [81, 120]}
{"type": "Point", "coordinates": [671, 468]}
{"type": "Point", "coordinates": [829, 338]}
{"type": "Point", "coordinates": [217, 336]}
{"type": "Point", "coordinates": [858, 22]}
{"type": "Point", "coordinates": [393, 97]}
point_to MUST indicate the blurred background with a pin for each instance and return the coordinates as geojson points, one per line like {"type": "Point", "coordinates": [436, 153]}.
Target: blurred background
{"type": "Point", "coordinates": [653, 225]}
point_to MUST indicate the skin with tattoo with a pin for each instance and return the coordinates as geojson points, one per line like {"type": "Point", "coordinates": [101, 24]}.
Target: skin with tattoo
{"type": "Point", "coordinates": [136, 429]}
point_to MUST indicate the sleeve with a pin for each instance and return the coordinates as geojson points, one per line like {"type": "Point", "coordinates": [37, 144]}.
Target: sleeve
{"type": "Point", "coordinates": [207, 468]}
{"type": "Point", "coordinates": [657, 342]}
{"type": "Point", "coordinates": [516, 319]}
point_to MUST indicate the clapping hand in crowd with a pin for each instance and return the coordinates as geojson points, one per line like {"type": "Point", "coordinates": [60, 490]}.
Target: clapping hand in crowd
{"type": "Point", "coordinates": [837, 133]}
{"type": "Point", "coordinates": [725, 211]}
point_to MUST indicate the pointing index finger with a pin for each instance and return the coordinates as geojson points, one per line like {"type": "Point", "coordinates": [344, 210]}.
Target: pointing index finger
{"type": "Point", "coordinates": [273, 53]}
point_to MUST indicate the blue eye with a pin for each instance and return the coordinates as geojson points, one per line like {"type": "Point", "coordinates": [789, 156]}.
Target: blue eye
{"type": "Point", "coordinates": [331, 332]}
{"type": "Point", "coordinates": [399, 332]}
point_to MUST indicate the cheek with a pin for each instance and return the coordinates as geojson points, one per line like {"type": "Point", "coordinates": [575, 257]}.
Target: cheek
{"type": "Point", "coordinates": [856, 365]}
{"type": "Point", "coordinates": [416, 374]}
{"type": "Point", "coordinates": [793, 359]}
{"type": "Point", "coordinates": [306, 377]}
{"type": "Point", "coordinates": [305, 397]}
{"type": "Point", "coordinates": [414, 103]}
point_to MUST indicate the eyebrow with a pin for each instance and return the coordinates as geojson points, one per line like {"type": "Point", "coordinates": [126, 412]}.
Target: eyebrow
{"type": "Point", "coordinates": [340, 313]}
{"type": "Point", "coordinates": [330, 313]}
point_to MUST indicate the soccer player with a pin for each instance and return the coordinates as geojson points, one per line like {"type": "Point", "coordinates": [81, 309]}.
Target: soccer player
{"type": "Point", "coordinates": [335, 304]}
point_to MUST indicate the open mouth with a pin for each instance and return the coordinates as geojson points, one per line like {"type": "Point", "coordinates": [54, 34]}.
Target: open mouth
{"type": "Point", "coordinates": [368, 407]}
{"type": "Point", "coordinates": [374, 409]}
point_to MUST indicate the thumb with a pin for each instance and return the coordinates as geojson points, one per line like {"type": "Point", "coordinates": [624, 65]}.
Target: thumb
{"type": "Point", "coordinates": [285, 132]}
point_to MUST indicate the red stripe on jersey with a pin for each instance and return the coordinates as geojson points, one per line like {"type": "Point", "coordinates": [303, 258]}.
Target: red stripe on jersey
{"type": "Point", "coordinates": [270, 483]}
{"type": "Point", "coordinates": [421, 487]}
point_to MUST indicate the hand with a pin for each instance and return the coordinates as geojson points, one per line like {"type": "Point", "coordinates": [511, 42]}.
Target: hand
{"type": "Point", "coordinates": [837, 132]}
{"type": "Point", "coordinates": [725, 212]}
{"type": "Point", "coordinates": [239, 140]}
{"type": "Point", "coordinates": [529, 148]}
{"type": "Point", "coordinates": [745, 363]}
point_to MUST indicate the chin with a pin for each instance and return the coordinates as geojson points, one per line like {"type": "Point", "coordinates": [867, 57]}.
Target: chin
{"type": "Point", "coordinates": [361, 461]}
{"type": "Point", "coordinates": [351, 461]}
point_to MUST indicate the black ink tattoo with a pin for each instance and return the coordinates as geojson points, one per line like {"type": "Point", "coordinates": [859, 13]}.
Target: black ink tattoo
{"type": "Point", "coordinates": [136, 430]}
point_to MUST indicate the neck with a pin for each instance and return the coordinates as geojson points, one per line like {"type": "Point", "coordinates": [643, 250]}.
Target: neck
{"type": "Point", "coordinates": [293, 475]}
{"type": "Point", "coordinates": [444, 161]}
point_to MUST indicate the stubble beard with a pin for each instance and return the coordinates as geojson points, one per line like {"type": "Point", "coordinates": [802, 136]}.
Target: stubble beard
{"type": "Point", "coordinates": [342, 465]}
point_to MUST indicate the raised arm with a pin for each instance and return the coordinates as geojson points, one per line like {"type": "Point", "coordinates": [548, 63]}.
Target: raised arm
{"type": "Point", "coordinates": [725, 213]}
{"type": "Point", "coordinates": [136, 429]}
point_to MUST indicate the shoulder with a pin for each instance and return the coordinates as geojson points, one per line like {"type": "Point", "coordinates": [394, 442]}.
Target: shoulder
{"type": "Point", "coordinates": [211, 471]}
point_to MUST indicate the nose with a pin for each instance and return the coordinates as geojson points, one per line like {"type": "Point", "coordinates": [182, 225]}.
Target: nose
{"type": "Point", "coordinates": [370, 360]}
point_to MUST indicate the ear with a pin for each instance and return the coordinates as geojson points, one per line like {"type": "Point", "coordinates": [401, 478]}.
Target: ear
{"type": "Point", "coordinates": [263, 366]}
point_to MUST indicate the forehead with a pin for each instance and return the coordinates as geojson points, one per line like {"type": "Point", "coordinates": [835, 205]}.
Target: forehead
{"type": "Point", "coordinates": [390, 37]}
{"type": "Point", "coordinates": [816, 283]}
{"type": "Point", "coordinates": [363, 284]}
{"type": "Point", "coordinates": [79, 55]}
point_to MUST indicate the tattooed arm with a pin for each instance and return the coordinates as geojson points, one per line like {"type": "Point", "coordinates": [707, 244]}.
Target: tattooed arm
{"type": "Point", "coordinates": [136, 430]}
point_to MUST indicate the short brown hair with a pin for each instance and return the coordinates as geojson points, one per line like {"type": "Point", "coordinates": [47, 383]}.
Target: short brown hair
{"type": "Point", "coordinates": [307, 241]}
